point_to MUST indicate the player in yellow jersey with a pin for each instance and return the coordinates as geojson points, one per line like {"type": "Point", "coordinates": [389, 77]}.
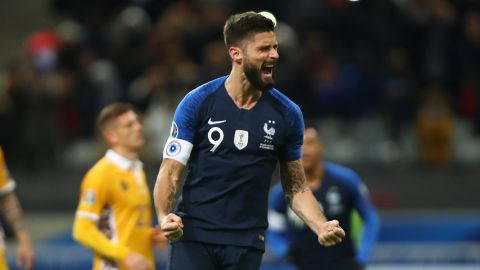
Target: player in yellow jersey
{"type": "Point", "coordinates": [12, 212]}
{"type": "Point", "coordinates": [114, 216]}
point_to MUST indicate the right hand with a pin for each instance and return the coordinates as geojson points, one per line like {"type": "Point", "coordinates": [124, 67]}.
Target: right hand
{"type": "Point", "coordinates": [135, 261]}
{"type": "Point", "coordinates": [172, 226]}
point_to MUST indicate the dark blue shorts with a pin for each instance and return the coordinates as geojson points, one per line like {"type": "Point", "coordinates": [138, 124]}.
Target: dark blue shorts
{"type": "Point", "coordinates": [185, 255]}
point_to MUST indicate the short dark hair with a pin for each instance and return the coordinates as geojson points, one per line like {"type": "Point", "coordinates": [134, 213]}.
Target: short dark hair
{"type": "Point", "coordinates": [111, 112]}
{"type": "Point", "coordinates": [242, 25]}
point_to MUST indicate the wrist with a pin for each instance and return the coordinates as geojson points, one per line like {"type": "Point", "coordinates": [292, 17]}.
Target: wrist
{"type": "Point", "coordinates": [22, 236]}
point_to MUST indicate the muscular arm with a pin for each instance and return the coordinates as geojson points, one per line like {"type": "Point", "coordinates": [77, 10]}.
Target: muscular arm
{"type": "Point", "coordinates": [299, 196]}
{"type": "Point", "coordinates": [166, 187]}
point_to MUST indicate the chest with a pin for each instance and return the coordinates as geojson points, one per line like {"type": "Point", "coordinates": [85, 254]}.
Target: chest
{"type": "Point", "coordinates": [225, 128]}
{"type": "Point", "coordinates": [334, 199]}
{"type": "Point", "coordinates": [130, 189]}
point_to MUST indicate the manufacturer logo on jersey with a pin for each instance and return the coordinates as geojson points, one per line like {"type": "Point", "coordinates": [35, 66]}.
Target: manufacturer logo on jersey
{"type": "Point", "coordinates": [89, 198]}
{"type": "Point", "coordinates": [174, 131]}
{"type": "Point", "coordinates": [173, 148]}
{"type": "Point", "coordinates": [210, 122]}
{"type": "Point", "coordinates": [240, 139]}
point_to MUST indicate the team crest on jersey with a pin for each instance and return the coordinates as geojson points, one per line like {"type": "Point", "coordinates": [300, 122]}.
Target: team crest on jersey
{"type": "Point", "coordinates": [269, 129]}
{"type": "Point", "coordinates": [174, 131]}
{"type": "Point", "coordinates": [240, 139]}
{"type": "Point", "coordinates": [124, 185]}
{"type": "Point", "coordinates": [173, 148]}
{"type": "Point", "coordinates": [334, 200]}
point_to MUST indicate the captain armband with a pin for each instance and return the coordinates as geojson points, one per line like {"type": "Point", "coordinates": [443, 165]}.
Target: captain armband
{"type": "Point", "coordinates": [178, 150]}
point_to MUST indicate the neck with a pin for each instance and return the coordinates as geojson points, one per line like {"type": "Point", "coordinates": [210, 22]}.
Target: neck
{"type": "Point", "coordinates": [314, 176]}
{"type": "Point", "coordinates": [243, 94]}
{"type": "Point", "coordinates": [126, 153]}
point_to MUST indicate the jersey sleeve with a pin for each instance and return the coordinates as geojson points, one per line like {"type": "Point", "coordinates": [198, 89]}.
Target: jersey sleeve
{"type": "Point", "coordinates": [182, 135]}
{"type": "Point", "coordinates": [292, 147]}
{"type": "Point", "coordinates": [93, 196]}
{"type": "Point", "coordinates": [371, 224]}
{"type": "Point", "coordinates": [7, 185]}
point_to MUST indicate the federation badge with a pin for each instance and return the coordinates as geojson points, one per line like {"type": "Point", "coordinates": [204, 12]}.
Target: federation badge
{"type": "Point", "coordinates": [173, 148]}
{"type": "Point", "coordinates": [89, 198]}
{"type": "Point", "coordinates": [240, 139]}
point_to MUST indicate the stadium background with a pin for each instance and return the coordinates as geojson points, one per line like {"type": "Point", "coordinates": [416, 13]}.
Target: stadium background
{"type": "Point", "coordinates": [392, 85]}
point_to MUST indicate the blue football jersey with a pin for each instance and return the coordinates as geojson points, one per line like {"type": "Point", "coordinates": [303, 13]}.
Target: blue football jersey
{"type": "Point", "coordinates": [230, 155]}
{"type": "Point", "coordinates": [340, 193]}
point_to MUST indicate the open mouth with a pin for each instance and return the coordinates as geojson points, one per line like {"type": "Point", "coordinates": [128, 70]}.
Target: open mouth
{"type": "Point", "coordinates": [267, 69]}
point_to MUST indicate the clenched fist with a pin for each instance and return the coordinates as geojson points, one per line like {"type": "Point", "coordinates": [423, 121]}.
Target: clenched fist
{"type": "Point", "coordinates": [330, 233]}
{"type": "Point", "coordinates": [172, 226]}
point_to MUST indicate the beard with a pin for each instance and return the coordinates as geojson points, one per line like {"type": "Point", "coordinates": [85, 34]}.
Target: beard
{"type": "Point", "coordinates": [254, 76]}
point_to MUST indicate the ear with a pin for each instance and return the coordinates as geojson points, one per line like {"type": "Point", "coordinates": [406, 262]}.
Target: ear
{"type": "Point", "coordinates": [236, 54]}
{"type": "Point", "coordinates": [110, 136]}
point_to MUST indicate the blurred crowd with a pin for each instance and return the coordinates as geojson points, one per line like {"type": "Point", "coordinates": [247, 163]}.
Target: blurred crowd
{"type": "Point", "coordinates": [415, 64]}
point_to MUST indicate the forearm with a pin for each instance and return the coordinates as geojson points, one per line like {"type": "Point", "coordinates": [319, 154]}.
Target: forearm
{"type": "Point", "coordinates": [12, 211]}
{"type": "Point", "coordinates": [307, 208]}
{"type": "Point", "coordinates": [166, 188]}
{"type": "Point", "coordinates": [299, 196]}
{"type": "Point", "coordinates": [86, 232]}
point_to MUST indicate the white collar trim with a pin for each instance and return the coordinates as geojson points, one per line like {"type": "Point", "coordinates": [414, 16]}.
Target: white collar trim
{"type": "Point", "coordinates": [123, 162]}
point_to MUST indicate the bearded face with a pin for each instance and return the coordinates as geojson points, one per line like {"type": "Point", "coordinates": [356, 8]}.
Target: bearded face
{"type": "Point", "coordinates": [260, 56]}
{"type": "Point", "coordinates": [260, 77]}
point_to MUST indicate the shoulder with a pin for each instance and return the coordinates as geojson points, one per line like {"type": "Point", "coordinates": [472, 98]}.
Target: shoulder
{"type": "Point", "coordinates": [200, 93]}
{"type": "Point", "coordinates": [285, 104]}
{"type": "Point", "coordinates": [99, 172]}
{"type": "Point", "coordinates": [342, 174]}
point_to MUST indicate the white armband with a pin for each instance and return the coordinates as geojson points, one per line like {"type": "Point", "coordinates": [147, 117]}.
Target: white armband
{"type": "Point", "coordinates": [178, 150]}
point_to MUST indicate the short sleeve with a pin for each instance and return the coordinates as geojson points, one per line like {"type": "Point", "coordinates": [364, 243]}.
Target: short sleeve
{"type": "Point", "coordinates": [93, 196]}
{"type": "Point", "coordinates": [182, 134]}
{"type": "Point", "coordinates": [294, 140]}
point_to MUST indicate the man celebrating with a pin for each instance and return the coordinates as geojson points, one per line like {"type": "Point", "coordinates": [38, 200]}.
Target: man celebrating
{"type": "Point", "coordinates": [340, 192]}
{"type": "Point", "coordinates": [114, 214]}
{"type": "Point", "coordinates": [232, 131]}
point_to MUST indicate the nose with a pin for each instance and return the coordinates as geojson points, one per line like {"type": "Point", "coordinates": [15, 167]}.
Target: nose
{"type": "Point", "coordinates": [139, 126]}
{"type": "Point", "coordinates": [274, 54]}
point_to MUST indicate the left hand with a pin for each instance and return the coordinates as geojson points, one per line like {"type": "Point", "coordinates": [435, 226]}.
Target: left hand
{"type": "Point", "coordinates": [159, 239]}
{"type": "Point", "coordinates": [25, 254]}
{"type": "Point", "coordinates": [330, 233]}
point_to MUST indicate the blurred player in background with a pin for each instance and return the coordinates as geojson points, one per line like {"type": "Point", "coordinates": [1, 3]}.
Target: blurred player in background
{"type": "Point", "coordinates": [12, 212]}
{"type": "Point", "coordinates": [114, 215]}
{"type": "Point", "coordinates": [339, 192]}
{"type": "Point", "coordinates": [232, 131]}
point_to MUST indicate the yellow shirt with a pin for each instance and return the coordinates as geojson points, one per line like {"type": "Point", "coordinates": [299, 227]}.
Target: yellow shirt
{"type": "Point", "coordinates": [7, 185]}
{"type": "Point", "coordinates": [115, 198]}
